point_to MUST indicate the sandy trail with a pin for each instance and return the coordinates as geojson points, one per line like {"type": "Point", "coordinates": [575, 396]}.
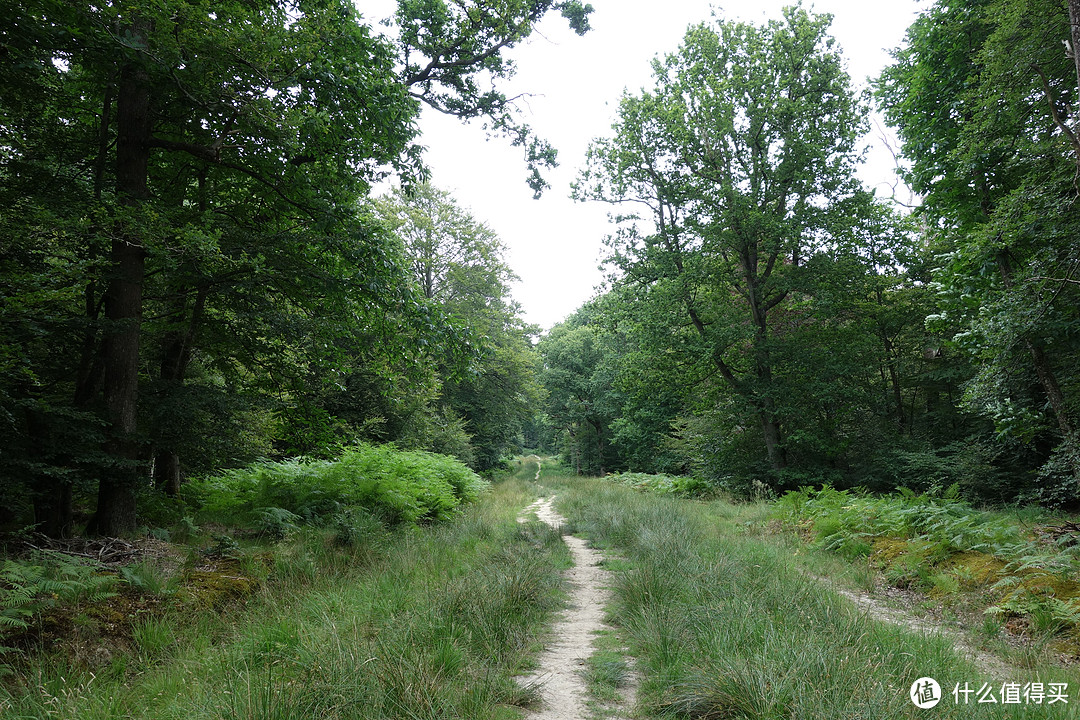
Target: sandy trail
{"type": "Point", "coordinates": [988, 662]}
{"type": "Point", "coordinates": [563, 688]}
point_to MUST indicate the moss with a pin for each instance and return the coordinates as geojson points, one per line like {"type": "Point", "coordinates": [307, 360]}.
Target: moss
{"type": "Point", "coordinates": [1046, 584]}
{"type": "Point", "coordinates": [1067, 646]}
{"type": "Point", "coordinates": [887, 549]}
{"type": "Point", "coordinates": [216, 588]}
{"type": "Point", "coordinates": [974, 569]}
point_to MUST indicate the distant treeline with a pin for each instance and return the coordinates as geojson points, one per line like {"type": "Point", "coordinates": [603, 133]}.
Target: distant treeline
{"type": "Point", "coordinates": [771, 323]}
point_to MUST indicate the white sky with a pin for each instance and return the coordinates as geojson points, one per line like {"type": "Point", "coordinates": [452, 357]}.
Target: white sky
{"type": "Point", "coordinates": [554, 244]}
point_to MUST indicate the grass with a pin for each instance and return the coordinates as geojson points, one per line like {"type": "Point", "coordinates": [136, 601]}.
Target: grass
{"type": "Point", "coordinates": [716, 611]}
{"type": "Point", "coordinates": [359, 622]}
{"type": "Point", "coordinates": [726, 623]}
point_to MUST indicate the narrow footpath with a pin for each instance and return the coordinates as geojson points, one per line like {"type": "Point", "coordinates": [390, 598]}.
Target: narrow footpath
{"type": "Point", "coordinates": [563, 688]}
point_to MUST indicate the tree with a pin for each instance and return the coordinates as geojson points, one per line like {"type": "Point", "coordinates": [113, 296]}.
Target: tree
{"type": "Point", "coordinates": [212, 129]}
{"type": "Point", "coordinates": [578, 374]}
{"type": "Point", "coordinates": [980, 96]}
{"type": "Point", "coordinates": [446, 49]}
{"type": "Point", "coordinates": [743, 158]}
{"type": "Point", "coordinates": [457, 263]}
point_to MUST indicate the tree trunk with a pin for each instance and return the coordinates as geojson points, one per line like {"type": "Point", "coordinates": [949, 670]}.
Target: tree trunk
{"type": "Point", "coordinates": [770, 430]}
{"type": "Point", "coordinates": [1041, 364]}
{"type": "Point", "coordinates": [123, 302]}
{"type": "Point", "coordinates": [175, 357]}
{"type": "Point", "coordinates": [598, 427]}
{"type": "Point", "coordinates": [1051, 387]}
{"type": "Point", "coordinates": [893, 363]}
{"type": "Point", "coordinates": [1074, 23]}
{"type": "Point", "coordinates": [53, 514]}
{"type": "Point", "coordinates": [167, 472]}
{"type": "Point", "coordinates": [770, 425]}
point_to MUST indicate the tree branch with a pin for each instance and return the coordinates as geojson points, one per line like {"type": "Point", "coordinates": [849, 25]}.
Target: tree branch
{"type": "Point", "coordinates": [1055, 115]}
{"type": "Point", "coordinates": [213, 155]}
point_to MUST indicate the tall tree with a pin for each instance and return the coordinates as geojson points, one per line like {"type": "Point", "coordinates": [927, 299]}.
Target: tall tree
{"type": "Point", "coordinates": [743, 156]}
{"type": "Point", "coordinates": [981, 95]}
{"type": "Point", "coordinates": [212, 129]}
{"type": "Point", "coordinates": [578, 374]}
{"type": "Point", "coordinates": [458, 264]}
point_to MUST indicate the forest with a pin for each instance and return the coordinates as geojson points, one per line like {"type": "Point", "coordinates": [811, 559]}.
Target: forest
{"type": "Point", "coordinates": [198, 271]}
{"type": "Point", "coordinates": [246, 337]}
{"type": "Point", "coordinates": [770, 323]}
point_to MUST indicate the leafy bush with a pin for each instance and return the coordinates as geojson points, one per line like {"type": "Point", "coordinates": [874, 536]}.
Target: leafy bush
{"type": "Point", "coordinates": [400, 486]}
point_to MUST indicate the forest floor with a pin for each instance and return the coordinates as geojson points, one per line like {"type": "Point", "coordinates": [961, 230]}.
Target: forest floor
{"type": "Point", "coordinates": [553, 598]}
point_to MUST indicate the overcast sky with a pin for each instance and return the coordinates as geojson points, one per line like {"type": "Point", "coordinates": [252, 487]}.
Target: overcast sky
{"type": "Point", "coordinates": [554, 244]}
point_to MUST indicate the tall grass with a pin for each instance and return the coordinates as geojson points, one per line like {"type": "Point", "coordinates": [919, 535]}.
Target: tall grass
{"type": "Point", "coordinates": [724, 626]}
{"type": "Point", "coordinates": [424, 623]}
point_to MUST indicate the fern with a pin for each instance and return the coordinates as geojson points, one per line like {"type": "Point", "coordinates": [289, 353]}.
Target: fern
{"type": "Point", "coordinates": [28, 589]}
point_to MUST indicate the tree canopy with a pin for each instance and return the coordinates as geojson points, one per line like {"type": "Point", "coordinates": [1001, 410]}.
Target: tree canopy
{"type": "Point", "coordinates": [785, 326]}
{"type": "Point", "coordinates": [195, 272]}
{"type": "Point", "coordinates": [182, 183]}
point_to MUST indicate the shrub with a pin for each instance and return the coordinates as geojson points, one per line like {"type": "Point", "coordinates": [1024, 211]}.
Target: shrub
{"type": "Point", "coordinates": [681, 485]}
{"type": "Point", "coordinates": [397, 485]}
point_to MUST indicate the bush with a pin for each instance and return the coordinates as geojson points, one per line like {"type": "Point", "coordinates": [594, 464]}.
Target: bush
{"type": "Point", "coordinates": [681, 485]}
{"type": "Point", "coordinates": [397, 485]}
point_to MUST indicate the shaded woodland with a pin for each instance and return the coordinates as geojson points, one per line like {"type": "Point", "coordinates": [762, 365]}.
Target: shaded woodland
{"type": "Point", "coordinates": [197, 271]}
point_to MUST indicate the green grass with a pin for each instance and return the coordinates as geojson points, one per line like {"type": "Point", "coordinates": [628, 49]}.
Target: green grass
{"type": "Point", "coordinates": [430, 622]}
{"type": "Point", "coordinates": [716, 610]}
{"type": "Point", "coordinates": [724, 624]}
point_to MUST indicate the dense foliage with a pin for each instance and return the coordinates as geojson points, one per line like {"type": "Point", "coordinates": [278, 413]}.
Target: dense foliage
{"type": "Point", "coordinates": [195, 275]}
{"type": "Point", "coordinates": [770, 323]}
{"type": "Point", "coordinates": [457, 264]}
{"type": "Point", "coordinates": [189, 279]}
{"type": "Point", "coordinates": [396, 485]}
{"type": "Point", "coordinates": [379, 623]}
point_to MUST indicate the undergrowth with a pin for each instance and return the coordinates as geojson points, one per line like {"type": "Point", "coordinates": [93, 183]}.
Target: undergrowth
{"type": "Point", "coordinates": [353, 620]}
{"type": "Point", "coordinates": [398, 485]}
{"type": "Point", "coordinates": [724, 626]}
{"type": "Point", "coordinates": [47, 579]}
{"type": "Point", "coordinates": [265, 502]}
{"type": "Point", "coordinates": [941, 544]}
{"type": "Point", "coordinates": [681, 485]}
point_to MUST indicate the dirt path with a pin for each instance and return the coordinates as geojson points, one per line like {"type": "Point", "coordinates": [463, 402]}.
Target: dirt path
{"type": "Point", "coordinates": [563, 689]}
{"type": "Point", "coordinates": [878, 610]}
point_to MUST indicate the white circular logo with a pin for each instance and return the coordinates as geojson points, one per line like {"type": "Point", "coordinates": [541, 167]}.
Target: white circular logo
{"type": "Point", "coordinates": [925, 693]}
